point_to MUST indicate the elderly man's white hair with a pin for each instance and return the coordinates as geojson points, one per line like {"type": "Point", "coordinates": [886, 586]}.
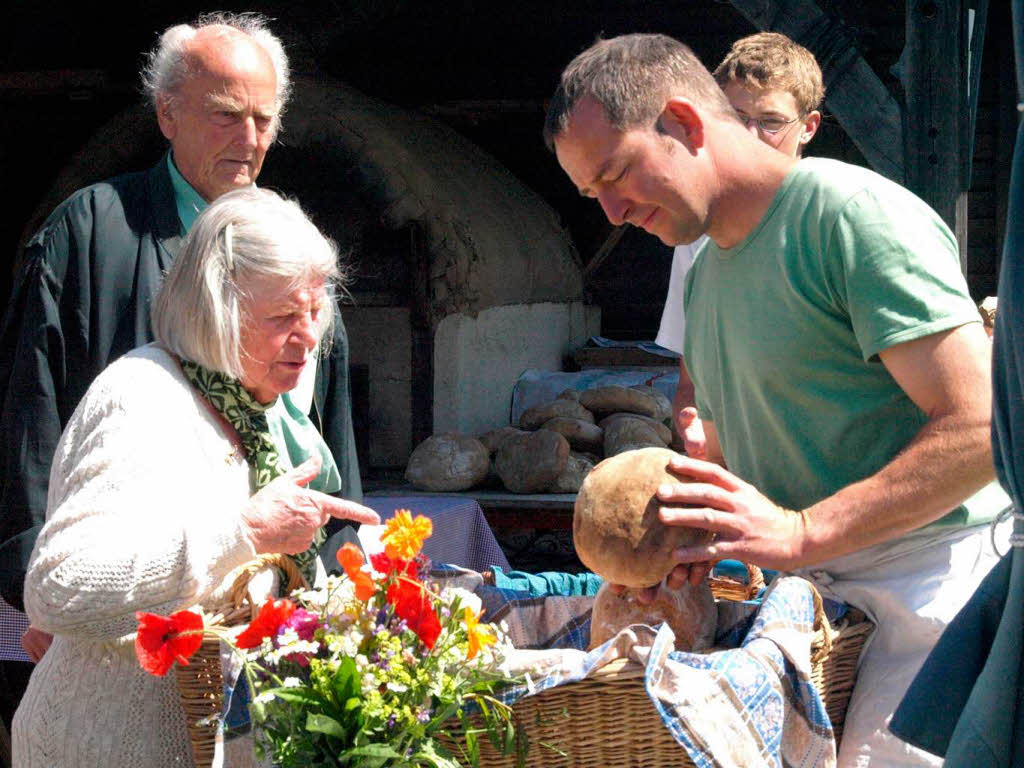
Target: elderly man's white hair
{"type": "Point", "coordinates": [167, 65]}
{"type": "Point", "coordinates": [245, 235]}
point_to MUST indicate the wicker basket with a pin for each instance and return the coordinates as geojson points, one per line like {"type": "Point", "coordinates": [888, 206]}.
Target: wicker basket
{"type": "Point", "coordinates": [607, 719]}
{"type": "Point", "coordinates": [201, 683]}
{"type": "Point", "coordinates": [604, 720]}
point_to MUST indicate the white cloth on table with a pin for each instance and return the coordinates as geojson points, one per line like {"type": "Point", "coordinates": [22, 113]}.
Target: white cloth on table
{"type": "Point", "coordinates": [671, 332]}
{"type": "Point", "coordinates": [461, 535]}
{"type": "Point", "coordinates": [911, 588]}
{"type": "Point", "coordinates": [12, 624]}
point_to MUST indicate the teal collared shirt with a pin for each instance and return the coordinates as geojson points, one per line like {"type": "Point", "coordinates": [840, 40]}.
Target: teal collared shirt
{"type": "Point", "coordinates": [296, 437]}
{"type": "Point", "coordinates": [188, 202]}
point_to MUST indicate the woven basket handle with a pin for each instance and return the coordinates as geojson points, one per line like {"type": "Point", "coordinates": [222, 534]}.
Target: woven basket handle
{"type": "Point", "coordinates": [239, 592]}
{"type": "Point", "coordinates": [822, 625]}
{"type": "Point", "coordinates": [755, 580]}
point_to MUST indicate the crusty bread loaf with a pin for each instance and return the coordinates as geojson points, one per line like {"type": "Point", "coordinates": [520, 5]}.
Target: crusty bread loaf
{"type": "Point", "coordinates": [616, 530]}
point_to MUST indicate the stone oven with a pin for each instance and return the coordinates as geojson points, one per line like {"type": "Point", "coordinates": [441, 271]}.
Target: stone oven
{"type": "Point", "coordinates": [462, 276]}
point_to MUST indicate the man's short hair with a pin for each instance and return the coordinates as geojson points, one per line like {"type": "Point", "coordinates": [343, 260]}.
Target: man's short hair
{"type": "Point", "coordinates": [632, 77]}
{"type": "Point", "coordinates": [168, 64]}
{"type": "Point", "coordinates": [771, 61]}
{"type": "Point", "coordinates": [246, 235]}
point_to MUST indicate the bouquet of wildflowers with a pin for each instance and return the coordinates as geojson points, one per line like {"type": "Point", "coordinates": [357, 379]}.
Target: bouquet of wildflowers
{"type": "Point", "coordinates": [379, 667]}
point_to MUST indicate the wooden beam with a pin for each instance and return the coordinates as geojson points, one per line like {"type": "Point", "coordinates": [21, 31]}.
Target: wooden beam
{"type": "Point", "coordinates": [934, 79]}
{"type": "Point", "coordinates": [860, 101]}
{"type": "Point", "coordinates": [603, 252]}
{"type": "Point", "coordinates": [58, 81]}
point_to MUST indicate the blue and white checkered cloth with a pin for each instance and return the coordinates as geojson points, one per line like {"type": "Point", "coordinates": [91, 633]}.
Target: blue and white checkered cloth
{"type": "Point", "coordinates": [12, 624]}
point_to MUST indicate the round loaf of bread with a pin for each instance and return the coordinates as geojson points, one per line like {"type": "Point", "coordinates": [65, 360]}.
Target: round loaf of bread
{"type": "Point", "coordinates": [615, 526]}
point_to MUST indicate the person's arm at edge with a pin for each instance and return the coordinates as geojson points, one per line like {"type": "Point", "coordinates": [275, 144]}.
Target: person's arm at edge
{"type": "Point", "coordinates": [684, 415]}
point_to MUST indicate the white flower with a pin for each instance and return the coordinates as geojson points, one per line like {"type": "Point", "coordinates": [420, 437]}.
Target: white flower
{"type": "Point", "coordinates": [397, 687]}
{"type": "Point", "coordinates": [345, 645]}
{"type": "Point", "coordinates": [298, 646]}
{"type": "Point", "coordinates": [264, 698]}
{"type": "Point", "coordinates": [342, 594]}
{"type": "Point", "coordinates": [291, 682]}
{"type": "Point", "coordinates": [287, 636]}
{"type": "Point", "coordinates": [466, 598]}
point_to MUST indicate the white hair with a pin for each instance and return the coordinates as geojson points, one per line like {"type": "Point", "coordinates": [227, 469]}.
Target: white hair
{"type": "Point", "coordinates": [168, 65]}
{"type": "Point", "coordinates": [244, 236]}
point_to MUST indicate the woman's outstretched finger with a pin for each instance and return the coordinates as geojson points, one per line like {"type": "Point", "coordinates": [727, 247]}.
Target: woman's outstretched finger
{"type": "Point", "coordinates": [344, 509]}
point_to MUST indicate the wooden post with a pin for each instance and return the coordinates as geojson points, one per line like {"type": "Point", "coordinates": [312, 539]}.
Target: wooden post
{"type": "Point", "coordinates": [934, 80]}
{"type": "Point", "coordinates": [421, 406]}
{"type": "Point", "coordinates": [861, 103]}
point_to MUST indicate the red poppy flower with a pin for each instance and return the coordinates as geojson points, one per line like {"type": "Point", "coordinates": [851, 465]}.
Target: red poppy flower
{"type": "Point", "coordinates": [412, 603]}
{"type": "Point", "coordinates": [163, 640]}
{"type": "Point", "coordinates": [351, 559]}
{"type": "Point", "coordinates": [384, 564]}
{"type": "Point", "coordinates": [272, 615]}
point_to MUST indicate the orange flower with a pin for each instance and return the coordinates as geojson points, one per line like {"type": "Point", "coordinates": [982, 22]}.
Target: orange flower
{"type": "Point", "coordinates": [351, 559]}
{"type": "Point", "coordinates": [479, 634]}
{"type": "Point", "coordinates": [404, 534]}
{"type": "Point", "coordinates": [163, 640]}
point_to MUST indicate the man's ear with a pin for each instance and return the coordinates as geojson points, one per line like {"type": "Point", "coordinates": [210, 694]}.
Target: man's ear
{"type": "Point", "coordinates": [166, 118]}
{"type": "Point", "coordinates": [681, 120]}
{"type": "Point", "coordinates": [810, 126]}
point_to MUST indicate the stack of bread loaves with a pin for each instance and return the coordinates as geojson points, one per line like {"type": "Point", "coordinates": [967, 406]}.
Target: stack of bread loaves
{"type": "Point", "coordinates": [553, 446]}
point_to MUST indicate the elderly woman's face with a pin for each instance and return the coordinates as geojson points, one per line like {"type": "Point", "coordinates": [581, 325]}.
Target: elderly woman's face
{"type": "Point", "coordinates": [281, 327]}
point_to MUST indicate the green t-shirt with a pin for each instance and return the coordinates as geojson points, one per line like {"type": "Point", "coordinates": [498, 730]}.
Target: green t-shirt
{"type": "Point", "coordinates": [783, 332]}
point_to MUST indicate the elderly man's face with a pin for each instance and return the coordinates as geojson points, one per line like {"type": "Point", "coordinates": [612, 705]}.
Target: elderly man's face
{"type": "Point", "coordinates": [639, 176]}
{"type": "Point", "coordinates": [280, 329]}
{"type": "Point", "coordinates": [220, 123]}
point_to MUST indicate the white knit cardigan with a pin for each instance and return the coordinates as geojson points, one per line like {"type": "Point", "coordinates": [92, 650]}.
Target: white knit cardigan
{"type": "Point", "coordinates": [142, 515]}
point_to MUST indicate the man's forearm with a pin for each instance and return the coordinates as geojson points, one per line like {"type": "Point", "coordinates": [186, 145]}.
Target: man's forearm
{"type": "Point", "coordinates": [945, 463]}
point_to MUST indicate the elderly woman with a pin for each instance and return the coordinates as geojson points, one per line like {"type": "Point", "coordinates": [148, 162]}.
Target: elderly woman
{"type": "Point", "coordinates": [184, 460]}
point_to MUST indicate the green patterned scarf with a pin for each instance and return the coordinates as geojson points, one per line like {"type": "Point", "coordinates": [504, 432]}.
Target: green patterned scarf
{"type": "Point", "coordinates": [248, 416]}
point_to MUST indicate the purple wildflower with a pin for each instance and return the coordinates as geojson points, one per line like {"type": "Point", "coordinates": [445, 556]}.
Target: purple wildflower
{"type": "Point", "coordinates": [303, 622]}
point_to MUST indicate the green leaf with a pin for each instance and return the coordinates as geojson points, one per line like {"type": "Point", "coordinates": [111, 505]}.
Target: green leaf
{"type": "Point", "coordinates": [473, 748]}
{"type": "Point", "coordinates": [346, 680]}
{"type": "Point", "coordinates": [299, 696]}
{"type": "Point", "coordinates": [429, 753]}
{"type": "Point", "coordinates": [324, 724]}
{"type": "Point", "coordinates": [371, 750]}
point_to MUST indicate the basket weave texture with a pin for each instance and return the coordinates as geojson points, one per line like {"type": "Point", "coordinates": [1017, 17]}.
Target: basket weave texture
{"type": "Point", "coordinates": [201, 683]}
{"type": "Point", "coordinates": [603, 720]}
{"type": "Point", "coordinates": [607, 719]}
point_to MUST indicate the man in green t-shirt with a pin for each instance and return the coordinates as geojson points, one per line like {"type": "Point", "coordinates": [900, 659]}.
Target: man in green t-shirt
{"type": "Point", "coordinates": [840, 368]}
{"type": "Point", "coordinates": [776, 88]}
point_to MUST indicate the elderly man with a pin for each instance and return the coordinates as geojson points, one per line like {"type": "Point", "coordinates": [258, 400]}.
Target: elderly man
{"type": "Point", "coordinates": [83, 296]}
{"type": "Point", "coordinates": [775, 86]}
{"type": "Point", "coordinates": [840, 367]}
